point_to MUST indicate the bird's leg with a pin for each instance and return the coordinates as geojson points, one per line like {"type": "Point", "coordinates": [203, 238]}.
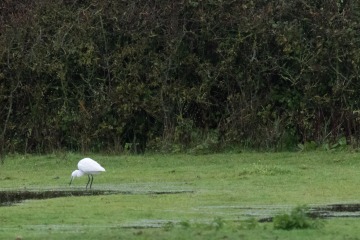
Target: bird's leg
{"type": "Point", "coordinates": [71, 181]}
{"type": "Point", "coordinates": [92, 179]}
{"type": "Point", "coordinates": [88, 182]}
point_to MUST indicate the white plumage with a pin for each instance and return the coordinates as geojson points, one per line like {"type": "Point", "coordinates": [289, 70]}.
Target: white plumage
{"type": "Point", "coordinates": [87, 166]}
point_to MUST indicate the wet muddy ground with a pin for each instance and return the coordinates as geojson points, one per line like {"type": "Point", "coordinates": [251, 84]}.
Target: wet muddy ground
{"type": "Point", "coordinates": [263, 213]}
{"type": "Point", "coordinates": [8, 198]}
{"type": "Point", "coordinates": [336, 210]}
{"type": "Point", "coordinates": [266, 213]}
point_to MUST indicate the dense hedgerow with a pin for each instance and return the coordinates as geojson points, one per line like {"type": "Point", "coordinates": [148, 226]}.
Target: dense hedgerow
{"type": "Point", "coordinates": [176, 75]}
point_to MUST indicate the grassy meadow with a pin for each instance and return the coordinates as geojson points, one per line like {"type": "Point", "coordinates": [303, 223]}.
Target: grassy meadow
{"type": "Point", "coordinates": [217, 196]}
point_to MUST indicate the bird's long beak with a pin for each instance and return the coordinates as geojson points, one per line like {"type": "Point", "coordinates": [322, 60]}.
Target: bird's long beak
{"type": "Point", "coordinates": [71, 180]}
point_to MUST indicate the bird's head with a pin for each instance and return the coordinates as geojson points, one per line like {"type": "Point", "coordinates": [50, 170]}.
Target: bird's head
{"type": "Point", "coordinates": [77, 173]}
{"type": "Point", "coordinates": [74, 174]}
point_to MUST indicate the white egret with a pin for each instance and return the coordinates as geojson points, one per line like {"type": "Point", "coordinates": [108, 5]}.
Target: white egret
{"type": "Point", "coordinates": [89, 167]}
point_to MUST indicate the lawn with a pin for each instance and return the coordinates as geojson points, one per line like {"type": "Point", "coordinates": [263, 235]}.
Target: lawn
{"type": "Point", "coordinates": [180, 196]}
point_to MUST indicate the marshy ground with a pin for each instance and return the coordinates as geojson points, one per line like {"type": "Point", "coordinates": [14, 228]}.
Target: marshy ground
{"type": "Point", "coordinates": [262, 213]}
{"type": "Point", "coordinates": [180, 196]}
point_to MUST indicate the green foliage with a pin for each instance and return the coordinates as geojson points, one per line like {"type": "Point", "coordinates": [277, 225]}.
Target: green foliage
{"type": "Point", "coordinates": [341, 145]}
{"type": "Point", "coordinates": [308, 146]}
{"type": "Point", "coordinates": [297, 219]}
{"type": "Point", "coordinates": [169, 226]}
{"type": "Point", "coordinates": [263, 169]}
{"type": "Point", "coordinates": [185, 224]}
{"type": "Point", "coordinates": [249, 224]}
{"type": "Point", "coordinates": [116, 76]}
{"type": "Point", "coordinates": [218, 223]}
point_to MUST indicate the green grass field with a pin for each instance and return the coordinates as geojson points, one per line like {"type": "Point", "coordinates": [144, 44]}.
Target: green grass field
{"type": "Point", "coordinates": [220, 196]}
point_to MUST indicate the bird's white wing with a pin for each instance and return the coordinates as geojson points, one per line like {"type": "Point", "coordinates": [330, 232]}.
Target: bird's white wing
{"type": "Point", "coordinates": [88, 165]}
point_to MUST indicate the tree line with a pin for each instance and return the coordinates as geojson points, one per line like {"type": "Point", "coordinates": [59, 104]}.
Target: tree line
{"type": "Point", "coordinates": [186, 75]}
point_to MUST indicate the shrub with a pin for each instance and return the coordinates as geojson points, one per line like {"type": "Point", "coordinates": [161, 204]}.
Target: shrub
{"type": "Point", "coordinates": [297, 219]}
